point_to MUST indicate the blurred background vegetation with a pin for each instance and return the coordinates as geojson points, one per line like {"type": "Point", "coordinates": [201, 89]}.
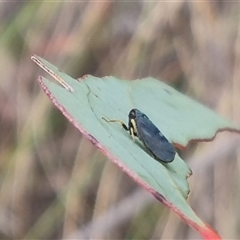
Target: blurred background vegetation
{"type": "Point", "coordinates": [54, 183]}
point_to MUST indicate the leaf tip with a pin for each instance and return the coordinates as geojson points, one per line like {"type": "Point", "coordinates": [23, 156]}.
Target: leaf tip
{"type": "Point", "coordinates": [209, 234]}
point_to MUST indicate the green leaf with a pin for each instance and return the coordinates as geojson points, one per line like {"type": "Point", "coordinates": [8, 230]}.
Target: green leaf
{"type": "Point", "coordinates": [177, 116]}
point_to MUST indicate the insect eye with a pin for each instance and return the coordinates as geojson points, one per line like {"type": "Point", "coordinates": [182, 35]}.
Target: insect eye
{"type": "Point", "coordinates": [132, 114]}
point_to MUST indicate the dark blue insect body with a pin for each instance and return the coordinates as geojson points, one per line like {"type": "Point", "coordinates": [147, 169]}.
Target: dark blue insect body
{"type": "Point", "coordinates": [155, 142]}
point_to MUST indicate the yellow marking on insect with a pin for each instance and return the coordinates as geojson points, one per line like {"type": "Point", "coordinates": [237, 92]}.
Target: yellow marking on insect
{"type": "Point", "coordinates": [134, 126]}
{"type": "Point", "coordinates": [132, 134]}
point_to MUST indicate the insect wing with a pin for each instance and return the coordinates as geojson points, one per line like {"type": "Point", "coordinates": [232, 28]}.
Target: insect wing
{"type": "Point", "coordinates": [154, 140]}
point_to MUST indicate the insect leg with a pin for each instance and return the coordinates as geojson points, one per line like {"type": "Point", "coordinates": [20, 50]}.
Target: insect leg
{"type": "Point", "coordinates": [132, 133]}
{"type": "Point", "coordinates": [130, 128]}
{"type": "Point", "coordinates": [118, 121]}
